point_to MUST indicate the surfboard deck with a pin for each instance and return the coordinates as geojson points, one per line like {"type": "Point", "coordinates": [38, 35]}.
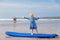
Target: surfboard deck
{"type": "Point", "coordinates": [17, 34]}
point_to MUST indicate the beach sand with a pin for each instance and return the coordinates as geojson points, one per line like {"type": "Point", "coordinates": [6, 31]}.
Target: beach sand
{"type": "Point", "coordinates": [3, 36]}
{"type": "Point", "coordinates": [25, 28]}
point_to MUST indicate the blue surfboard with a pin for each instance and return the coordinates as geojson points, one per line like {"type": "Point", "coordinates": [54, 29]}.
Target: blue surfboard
{"type": "Point", "coordinates": [17, 34]}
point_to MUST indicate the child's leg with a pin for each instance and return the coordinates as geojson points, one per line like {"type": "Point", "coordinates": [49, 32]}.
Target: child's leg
{"type": "Point", "coordinates": [36, 30]}
{"type": "Point", "coordinates": [32, 30]}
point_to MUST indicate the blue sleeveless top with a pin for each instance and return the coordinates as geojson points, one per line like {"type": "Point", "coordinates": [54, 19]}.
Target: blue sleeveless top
{"type": "Point", "coordinates": [32, 22]}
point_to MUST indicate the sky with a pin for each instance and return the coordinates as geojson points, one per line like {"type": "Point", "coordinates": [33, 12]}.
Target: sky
{"type": "Point", "coordinates": [19, 8]}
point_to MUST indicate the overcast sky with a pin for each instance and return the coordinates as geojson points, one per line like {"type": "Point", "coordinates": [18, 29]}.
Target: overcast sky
{"type": "Point", "coordinates": [19, 8]}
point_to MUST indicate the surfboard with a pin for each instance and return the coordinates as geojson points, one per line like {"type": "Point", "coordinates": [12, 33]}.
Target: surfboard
{"type": "Point", "coordinates": [36, 35]}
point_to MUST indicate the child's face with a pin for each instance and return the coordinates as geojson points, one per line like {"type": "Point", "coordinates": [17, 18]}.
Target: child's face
{"type": "Point", "coordinates": [31, 15]}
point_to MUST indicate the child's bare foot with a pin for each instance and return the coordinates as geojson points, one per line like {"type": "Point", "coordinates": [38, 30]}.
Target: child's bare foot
{"type": "Point", "coordinates": [31, 33]}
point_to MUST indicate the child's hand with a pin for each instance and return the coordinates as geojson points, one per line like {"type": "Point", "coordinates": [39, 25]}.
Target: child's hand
{"type": "Point", "coordinates": [38, 17]}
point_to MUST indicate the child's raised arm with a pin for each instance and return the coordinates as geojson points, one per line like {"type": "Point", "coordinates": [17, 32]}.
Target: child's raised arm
{"type": "Point", "coordinates": [26, 18]}
{"type": "Point", "coordinates": [37, 18]}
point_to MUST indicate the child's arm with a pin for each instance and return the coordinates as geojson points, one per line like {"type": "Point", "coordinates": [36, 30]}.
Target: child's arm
{"type": "Point", "coordinates": [26, 17]}
{"type": "Point", "coordinates": [37, 18]}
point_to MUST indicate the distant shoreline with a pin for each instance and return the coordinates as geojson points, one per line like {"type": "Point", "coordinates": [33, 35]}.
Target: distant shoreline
{"type": "Point", "coordinates": [40, 18]}
{"type": "Point", "coordinates": [50, 17]}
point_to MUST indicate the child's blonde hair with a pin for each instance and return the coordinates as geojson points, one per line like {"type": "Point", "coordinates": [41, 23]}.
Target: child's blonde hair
{"type": "Point", "coordinates": [31, 14]}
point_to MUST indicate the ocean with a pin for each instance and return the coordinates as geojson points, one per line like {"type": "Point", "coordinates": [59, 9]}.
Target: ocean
{"type": "Point", "coordinates": [22, 25]}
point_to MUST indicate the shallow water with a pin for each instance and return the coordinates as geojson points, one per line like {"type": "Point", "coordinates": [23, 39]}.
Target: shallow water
{"type": "Point", "coordinates": [47, 26]}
